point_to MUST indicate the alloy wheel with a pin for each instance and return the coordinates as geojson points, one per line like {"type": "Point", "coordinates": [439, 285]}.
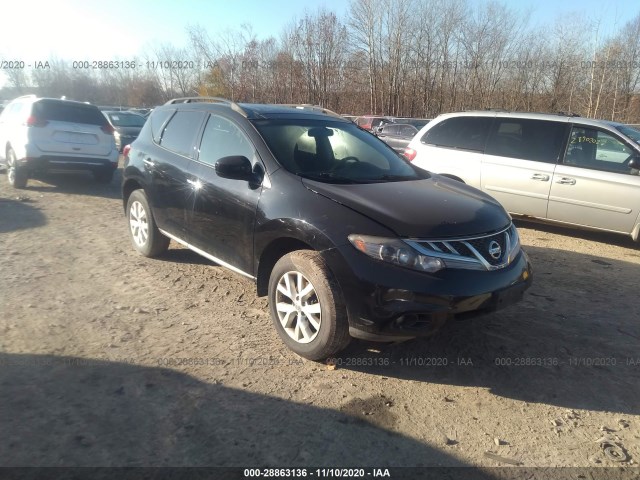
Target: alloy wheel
{"type": "Point", "coordinates": [139, 223]}
{"type": "Point", "coordinates": [298, 307]}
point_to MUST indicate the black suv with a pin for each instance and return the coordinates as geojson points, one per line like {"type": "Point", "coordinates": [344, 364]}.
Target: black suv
{"type": "Point", "coordinates": [346, 237]}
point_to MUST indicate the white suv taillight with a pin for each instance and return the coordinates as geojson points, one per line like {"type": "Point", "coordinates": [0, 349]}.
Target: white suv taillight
{"type": "Point", "coordinates": [410, 154]}
{"type": "Point", "coordinates": [34, 121]}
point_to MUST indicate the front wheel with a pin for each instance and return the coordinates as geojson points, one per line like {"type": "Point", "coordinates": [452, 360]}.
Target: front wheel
{"type": "Point", "coordinates": [307, 307]}
{"type": "Point", "coordinates": [16, 175]}
{"type": "Point", "coordinates": [145, 236]}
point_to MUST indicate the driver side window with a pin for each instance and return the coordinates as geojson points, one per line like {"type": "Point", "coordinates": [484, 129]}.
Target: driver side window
{"type": "Point", "coordinates": [598, 150]}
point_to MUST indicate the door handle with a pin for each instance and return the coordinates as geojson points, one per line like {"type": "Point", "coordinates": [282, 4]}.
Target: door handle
{"type": "Point", "coordinates": [149, 163]}
{"type": "Point", "coordinates": [540, 176]}
{"type": "Point", "coordinates": [566, 181]}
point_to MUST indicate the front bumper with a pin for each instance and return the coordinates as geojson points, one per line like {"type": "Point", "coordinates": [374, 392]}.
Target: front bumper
{"type": "Point", "coordinates": [386, 302]}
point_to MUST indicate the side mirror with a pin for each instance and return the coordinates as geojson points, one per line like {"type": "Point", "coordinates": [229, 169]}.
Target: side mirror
{"type": "Point", "coordinates": [635, 163]}
{"type": "Point", "coordinates": [236, 167]}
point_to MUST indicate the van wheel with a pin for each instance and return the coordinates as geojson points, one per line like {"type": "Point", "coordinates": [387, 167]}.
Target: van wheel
{"type": "Point", "coordinates": [16, 175]}
{"type": "Point", "coordinates": [307, 307]}
{"type": "Point", "coordinates": [145, 236]}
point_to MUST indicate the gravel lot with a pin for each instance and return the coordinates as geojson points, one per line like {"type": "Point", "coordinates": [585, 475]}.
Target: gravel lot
{"type": "Point", "coordinates": [108, 358]}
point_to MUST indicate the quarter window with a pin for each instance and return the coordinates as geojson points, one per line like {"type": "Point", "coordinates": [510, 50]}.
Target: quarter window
{"type": "Point", "coordinates": [158, 119]}
{"type": "Point", "coordinates": [596, 149]}
{"type": "Point", "coordinates": [180, 133]}
{"type": "Point", "coordinates": [465, 133]}
{"type": "Point", "coordinates": [537, 140]}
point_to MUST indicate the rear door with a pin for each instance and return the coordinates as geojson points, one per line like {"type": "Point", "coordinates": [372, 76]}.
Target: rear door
{"type": "Point", "coordinates": [171, 169]}
{"type": "Point", "coordinates": [594, 185]}
{"type": "Point", "coordinates": [69, 128]}
{"type": "Point", "coordinates": [519, 162]}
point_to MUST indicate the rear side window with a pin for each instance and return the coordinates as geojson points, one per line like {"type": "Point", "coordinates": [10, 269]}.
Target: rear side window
{"type": "Point", "coordinates": [158, 120]}
{"type": "Point", "coordinates": [465, 133]}
{"type": "Point", "coordinates": [59, 111]}
{"type": "Point", "coordinates": [537, 140]}
{"type": "Point", "coordinates": [180, 132]}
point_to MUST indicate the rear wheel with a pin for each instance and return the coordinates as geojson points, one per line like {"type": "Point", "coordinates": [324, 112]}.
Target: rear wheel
{"type": "Point", "coordinates": [145, 236]}
{"type": "Point", "coordinates": [16, 175]}
{"type": "Point", "coordinates": [307, 307]}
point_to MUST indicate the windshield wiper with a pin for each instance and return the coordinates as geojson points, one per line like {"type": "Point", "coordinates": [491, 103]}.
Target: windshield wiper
{"type": "Point", "coordinates": [332, 177]}
{"type": "Point", "coordinates": [397, 178]}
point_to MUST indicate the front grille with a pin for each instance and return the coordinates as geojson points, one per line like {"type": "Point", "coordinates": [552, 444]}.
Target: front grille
{"type": "Point", "coordinates": [487, 252]}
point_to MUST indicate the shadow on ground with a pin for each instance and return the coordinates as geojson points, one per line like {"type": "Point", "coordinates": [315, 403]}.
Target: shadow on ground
{"type": "Point", "coordinates": [572, 341]}
{"type": "Point", "coordinates": [17, 213]}
{"type": "Point", "coordinates": [74, 183]}
{"type": "Point", "coordinates": [62, 411]}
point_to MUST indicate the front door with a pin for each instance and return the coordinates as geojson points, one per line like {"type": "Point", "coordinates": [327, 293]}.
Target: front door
{"type": "Point", "coordinates": [594, 186]}
{"type": "Point", "coordinates": [222, 217]}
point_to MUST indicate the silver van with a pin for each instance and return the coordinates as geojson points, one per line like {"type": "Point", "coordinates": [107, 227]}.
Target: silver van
{"type": "Point", "coordinates": [556, 168]}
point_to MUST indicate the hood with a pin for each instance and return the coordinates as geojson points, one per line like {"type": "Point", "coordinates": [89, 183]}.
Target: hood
{"type": "Point", "coordinates": [437, 207]}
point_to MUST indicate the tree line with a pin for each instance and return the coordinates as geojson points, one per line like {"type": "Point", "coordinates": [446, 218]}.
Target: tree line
{"type": "Point", "coordinates": [413, 58]}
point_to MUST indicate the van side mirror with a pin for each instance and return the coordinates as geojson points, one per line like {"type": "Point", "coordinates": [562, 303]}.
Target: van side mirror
{"type": "Point", "coordinates": [634, 162]}
{"type": "Point", "coordinates": [235, 167]}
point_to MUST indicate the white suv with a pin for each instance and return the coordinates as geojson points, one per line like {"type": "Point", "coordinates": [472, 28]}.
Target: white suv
{"type": "Point", "coordinates": [42, 134]}
{"type": "Point", "coordinates": [554, 168]}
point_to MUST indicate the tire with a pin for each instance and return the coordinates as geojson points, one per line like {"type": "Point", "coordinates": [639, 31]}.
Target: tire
{"type": "Point", "coordinates": [103, 176]}
{"type": "Point", "coordinates": [316, 326]}
{"type": "Point", "coordinates": [16, 175]}
{"type": "Point", "coordinates": [145, 236]}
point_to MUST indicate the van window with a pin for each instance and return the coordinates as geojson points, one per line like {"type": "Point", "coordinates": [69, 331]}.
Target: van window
{"type": "Point", "coordinates": [598, 150]}
{"type": "Point", "coordinates": [537, 140]}
{"type": "Point", "coordinates": [465, 133]}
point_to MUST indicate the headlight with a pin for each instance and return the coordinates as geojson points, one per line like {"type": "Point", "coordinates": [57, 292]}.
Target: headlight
{"type": "Point", "coordinates": [515, 242]}
{"type": "Point", "coordinates": [393, 250]}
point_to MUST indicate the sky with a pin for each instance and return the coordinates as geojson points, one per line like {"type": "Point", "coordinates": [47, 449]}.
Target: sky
{"type": "Point", "coordinates": [119, 29]}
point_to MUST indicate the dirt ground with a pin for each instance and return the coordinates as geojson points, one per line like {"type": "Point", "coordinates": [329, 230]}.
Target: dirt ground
{"type": "Point", "coordinates": [108, 358]}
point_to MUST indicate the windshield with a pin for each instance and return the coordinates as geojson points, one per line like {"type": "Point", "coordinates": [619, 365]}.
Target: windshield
{"type": "Point", "coordinates": [632, 133]}
{"type": "Point", "coordinates": [334, 152]}
{"type": "Point", "coordinates": [126, 119]}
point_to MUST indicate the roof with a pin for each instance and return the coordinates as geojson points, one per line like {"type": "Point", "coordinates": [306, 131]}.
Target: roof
{"type": "Point", "coordinates": [255, 111]}
{"type": "Point", "coordinates": [556, 117]}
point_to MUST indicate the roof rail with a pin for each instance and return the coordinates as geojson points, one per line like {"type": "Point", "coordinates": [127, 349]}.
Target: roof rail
{"type": "Point", "coordinates": [309, 106]}
{"type": "Point", "coordinates": [234, 106]}
{"type": "Point", "coordinates": [568, 114]}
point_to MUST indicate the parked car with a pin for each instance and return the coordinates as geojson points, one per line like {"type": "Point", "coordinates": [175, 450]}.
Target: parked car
{"type": "Point", "coordinates": [127, 125]}
{"type": "Point", "coordinates": [416, 122]}
{"type": "Point", "coordinates": [144, 112]}
{"type": "Point", "coordinates": [290, 197]}
{"type": "Point", "coordinates": [371, 122]}
{"type": "Point", "coordinates": [397, 135]}
{"type": "Point", "coordinates": [44, 134]}
{"type": "Point", "coordinates": [556, 168]}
